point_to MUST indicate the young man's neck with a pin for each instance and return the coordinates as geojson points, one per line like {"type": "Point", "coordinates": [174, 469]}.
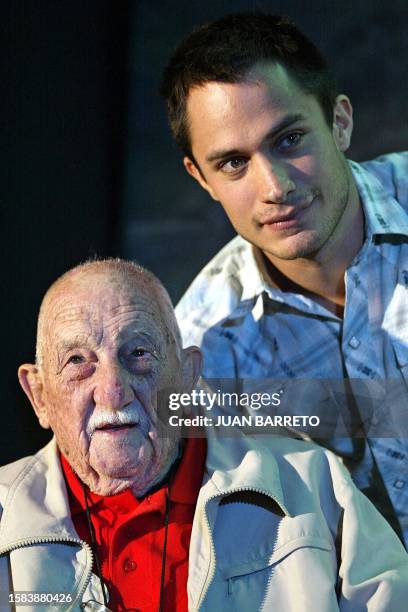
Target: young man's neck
{"type": "Point", "coordinates": [322, 277]}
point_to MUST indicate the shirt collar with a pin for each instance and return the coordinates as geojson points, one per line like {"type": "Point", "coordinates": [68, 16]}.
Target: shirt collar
{"type": "Point", "coordinates": [254, 277]}
{"type": "Point", "coordinates": [189, 475]}
{"type": "Point", "coordinates": [184, 490]}
{"type": "Point", "coordinates": [383, 214]}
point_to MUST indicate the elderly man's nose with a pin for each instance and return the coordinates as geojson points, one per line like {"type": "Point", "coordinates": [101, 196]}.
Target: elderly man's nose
{"type": "Point", "coordinates": [113, 389]}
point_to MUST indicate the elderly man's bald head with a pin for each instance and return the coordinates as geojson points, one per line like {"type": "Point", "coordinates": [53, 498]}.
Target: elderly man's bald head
{"type": "Point", "coordinates": [119, 273]}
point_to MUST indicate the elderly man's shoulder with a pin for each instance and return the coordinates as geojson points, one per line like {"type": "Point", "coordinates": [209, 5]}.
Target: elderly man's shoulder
{"type": "Point", "coordinates": [304, 455]}
{"type": "Point", "coordinates": [294, 461]}
{"type": "Point", "coordinates": [30, 469]}
{"type": "Point", "coordinates": [308, 457]}
{"type": "Point", "coordinates": [307, 467]}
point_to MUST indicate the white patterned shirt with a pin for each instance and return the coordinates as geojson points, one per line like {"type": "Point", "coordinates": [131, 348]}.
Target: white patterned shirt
{"type": "Point", "coordinates": [249, 329]}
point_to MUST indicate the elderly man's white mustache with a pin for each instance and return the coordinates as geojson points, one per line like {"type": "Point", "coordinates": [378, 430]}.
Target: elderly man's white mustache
{"type": "Point", "coordinates": [127, 416]}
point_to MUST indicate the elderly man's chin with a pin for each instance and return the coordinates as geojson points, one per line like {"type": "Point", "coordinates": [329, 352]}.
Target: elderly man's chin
{"type": "Point", "coordinates": [130, 461]}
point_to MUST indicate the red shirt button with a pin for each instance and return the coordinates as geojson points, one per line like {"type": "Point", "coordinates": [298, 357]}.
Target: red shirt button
{"type": "Point", "coordinates": [129, 565]}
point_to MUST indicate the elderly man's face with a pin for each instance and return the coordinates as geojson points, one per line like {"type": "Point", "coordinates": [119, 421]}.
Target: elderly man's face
{"type": "Point", "coordinates": [106, 357]}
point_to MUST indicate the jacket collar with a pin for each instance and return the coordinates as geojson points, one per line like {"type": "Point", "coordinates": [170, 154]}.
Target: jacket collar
{"type": "Point", "coordinates": [242, 463]}
{"type": "Point", "coordinates": [39, 492]}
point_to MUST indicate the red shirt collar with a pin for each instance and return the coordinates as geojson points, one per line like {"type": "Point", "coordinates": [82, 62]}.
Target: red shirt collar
{"type": "Point", "coordinates": [184, 490]}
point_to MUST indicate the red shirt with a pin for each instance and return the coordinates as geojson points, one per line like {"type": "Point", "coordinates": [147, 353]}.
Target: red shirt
{"type": "Point", "coordinates": [130, 535]}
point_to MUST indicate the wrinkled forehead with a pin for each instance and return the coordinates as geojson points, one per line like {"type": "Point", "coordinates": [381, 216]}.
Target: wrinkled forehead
{"type": "Point", "coordinates": [100, 308]}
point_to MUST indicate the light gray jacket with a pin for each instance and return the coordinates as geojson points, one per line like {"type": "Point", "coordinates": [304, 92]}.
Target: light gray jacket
{"type": "Point", "coordinates": [278, 526]}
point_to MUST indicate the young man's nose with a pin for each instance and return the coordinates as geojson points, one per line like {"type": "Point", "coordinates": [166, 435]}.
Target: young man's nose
{"type": "Point", "coordinates": [113, 389]}
{"type": "Point", "coordinates": [274, 181]}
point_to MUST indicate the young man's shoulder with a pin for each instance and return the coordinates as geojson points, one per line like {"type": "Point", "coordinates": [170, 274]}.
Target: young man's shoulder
{"type": "Point", "coordinates": [391, 170]}
{"type": "Point", "coordinates": [217, 290]}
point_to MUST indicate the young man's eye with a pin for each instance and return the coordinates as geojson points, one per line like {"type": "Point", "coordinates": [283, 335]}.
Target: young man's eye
{"type": "Point", "coordinates": [232, 165]}
{"type": "Point", "coordinates": [290, 140]}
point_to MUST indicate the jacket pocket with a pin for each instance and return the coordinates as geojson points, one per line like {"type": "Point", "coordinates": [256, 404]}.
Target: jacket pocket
{"type": "Point", "coordinates": [277, 555]}
{"type": "Point", "coordinates": [299, 575]}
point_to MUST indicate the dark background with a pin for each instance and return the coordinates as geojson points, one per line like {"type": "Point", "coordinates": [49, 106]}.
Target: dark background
{"type": "Point", "coordinates": [88, 162]}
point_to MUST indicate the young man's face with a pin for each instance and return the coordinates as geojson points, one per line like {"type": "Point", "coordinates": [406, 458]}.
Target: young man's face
{"type": "Point", "coordinates": [266, 152]}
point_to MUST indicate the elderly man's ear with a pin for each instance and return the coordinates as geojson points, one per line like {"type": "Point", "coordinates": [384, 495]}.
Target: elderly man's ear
{"type": "Point", "coordinates": [31, 381]}
{"type": "Point", "coordinates": [192, 360]}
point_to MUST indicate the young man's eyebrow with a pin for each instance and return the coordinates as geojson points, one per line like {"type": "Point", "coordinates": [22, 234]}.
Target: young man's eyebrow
{"type": "Point", "coordinates": [279, 127]}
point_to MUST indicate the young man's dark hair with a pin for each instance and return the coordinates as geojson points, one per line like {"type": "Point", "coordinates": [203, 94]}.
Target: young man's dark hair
{"type": "Point", "coordinates": [225, 51]}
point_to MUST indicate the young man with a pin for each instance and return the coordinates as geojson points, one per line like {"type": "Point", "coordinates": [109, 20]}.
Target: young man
{"type": "Point", "coordinates": [315, 285]}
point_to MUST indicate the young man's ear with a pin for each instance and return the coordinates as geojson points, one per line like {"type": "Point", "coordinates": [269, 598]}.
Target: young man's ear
{"type": "Point", "coordinates": [192, 364]}
{"type": "Point", "coordinates": [31, 382]}
{"type": "Point", "coordinates": [196, 173]}
{"type": "Point", "coordinates": [342, 122]}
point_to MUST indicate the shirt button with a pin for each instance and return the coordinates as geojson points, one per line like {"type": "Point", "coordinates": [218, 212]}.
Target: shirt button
{"type": "Point", "coordinates": [354, 342]}
{"type": "Point", "coordinates": [129, 565]}
{"type": "Point", "coordinates": [118, 509]}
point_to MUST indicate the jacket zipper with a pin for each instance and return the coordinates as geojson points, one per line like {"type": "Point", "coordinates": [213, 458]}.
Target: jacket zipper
{"type": "Point", "coordinates": [53, 540]}
{"type": "Point", "coordinates": [273, 568]}
{"type": "Point", "coordinates": [211, 573]}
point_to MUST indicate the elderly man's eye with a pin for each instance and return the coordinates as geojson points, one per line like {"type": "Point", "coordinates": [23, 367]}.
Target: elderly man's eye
{"type": "Point", "coordinates": [75, 359]}
{"type": "Point", "coordinates": [140, 352]}
{"type": "Point", "coordinates": [140, 360]}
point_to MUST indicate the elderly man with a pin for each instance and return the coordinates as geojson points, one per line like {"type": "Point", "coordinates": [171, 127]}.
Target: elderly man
{"type": "Point", "coordinates": [116, 510]}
